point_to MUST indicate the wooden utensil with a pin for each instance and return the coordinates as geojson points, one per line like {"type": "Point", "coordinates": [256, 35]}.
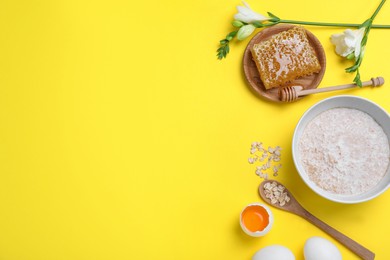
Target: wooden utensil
{"type": "Point", "coordinates": [293, 206]}
{"type": "Point", "coordinates": [292, 93]}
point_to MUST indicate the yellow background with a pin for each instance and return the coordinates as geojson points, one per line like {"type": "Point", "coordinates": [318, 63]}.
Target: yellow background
{"type": "Point", "coordinates": [123, 137]}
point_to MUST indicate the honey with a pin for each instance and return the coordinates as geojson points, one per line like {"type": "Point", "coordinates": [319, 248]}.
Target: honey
{"type": "Point", "coordinates": [284, 57]}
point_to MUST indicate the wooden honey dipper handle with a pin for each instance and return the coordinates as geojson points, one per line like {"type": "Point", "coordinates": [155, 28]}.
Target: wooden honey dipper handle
{"type": "Point", "coordinates": [375, 82]}
{"type": "Point", "coordinates": [292, 93]}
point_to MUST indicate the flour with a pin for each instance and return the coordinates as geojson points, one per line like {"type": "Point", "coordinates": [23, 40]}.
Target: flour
{"type": "Point", "coordinates": [344, 151]}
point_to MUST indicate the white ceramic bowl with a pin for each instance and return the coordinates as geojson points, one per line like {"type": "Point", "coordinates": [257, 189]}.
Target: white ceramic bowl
{"type": "Point", "coordinates": [362, 104]}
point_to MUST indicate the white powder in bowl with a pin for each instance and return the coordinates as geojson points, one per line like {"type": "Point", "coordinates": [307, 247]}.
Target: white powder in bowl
{"type": "Point", "coordinates": [344, 151]}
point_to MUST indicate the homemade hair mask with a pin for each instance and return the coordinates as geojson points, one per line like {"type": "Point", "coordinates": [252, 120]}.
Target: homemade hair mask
{"type": "Point", "coordinates": [344, 151]}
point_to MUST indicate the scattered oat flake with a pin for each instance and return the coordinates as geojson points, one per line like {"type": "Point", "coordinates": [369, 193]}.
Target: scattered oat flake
{"type": "Point", "coordinates": [251, 160]}
{"type": "Point", "coordinates": [265, 159]}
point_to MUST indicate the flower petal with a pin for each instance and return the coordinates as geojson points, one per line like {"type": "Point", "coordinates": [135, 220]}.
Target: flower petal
{"type": "Point", "coordinates": [348, 42]}
{"type": "Point", "coordinates": [247, 15]}
{"type": "Point", "coordinates": [243, 10]}
{"type": "Point", "coordinates": [336, 38]}
{"type": "Point", "coordinates": [241, 17]}
{"type": "Point", "coordinates": [246, 4]}
{"type": "Point", "coordinates": [359, 38]}
{"type": "Point", "coordinates": [341, 48]}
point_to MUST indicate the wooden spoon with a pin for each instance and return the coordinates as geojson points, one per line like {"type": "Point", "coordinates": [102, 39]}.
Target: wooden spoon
{"type": "Point", "coordinates": [293, 206]}
{"type": "Point", "coordinates": [292, 93]}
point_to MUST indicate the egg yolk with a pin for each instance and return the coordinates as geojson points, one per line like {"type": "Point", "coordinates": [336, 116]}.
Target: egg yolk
{"type": "Point", "coordinates": [255, 218]}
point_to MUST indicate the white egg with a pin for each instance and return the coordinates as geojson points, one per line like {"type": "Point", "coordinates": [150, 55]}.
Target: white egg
{"type": "Point", "coordinates": [274, 252]}
{"type": "Point", "coordinates": [318, 248]}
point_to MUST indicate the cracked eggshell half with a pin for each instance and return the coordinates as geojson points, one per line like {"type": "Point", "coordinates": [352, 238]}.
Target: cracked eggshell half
{"type": "Point", "coordinates": [256, 219]}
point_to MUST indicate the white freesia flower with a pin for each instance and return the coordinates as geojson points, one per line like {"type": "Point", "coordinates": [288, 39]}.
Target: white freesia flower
{"type": "Point", "coordinates": [245, 31]}
{"type": "Point", "coordinates": [247, 15]}
{"type": "Point", "coordinates": [348, 42]}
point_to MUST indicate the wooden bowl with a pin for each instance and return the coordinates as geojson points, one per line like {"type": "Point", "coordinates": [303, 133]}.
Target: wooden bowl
{"type": "Point", "coordinates": [252, 74]}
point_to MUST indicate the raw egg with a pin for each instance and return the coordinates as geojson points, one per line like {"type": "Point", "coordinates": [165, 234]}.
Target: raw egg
{"type": "Point", "coordinates": [318, 248]}
{"type": "Point", "coordinates": [275, 252]}
{"type": "Point", "coordinates": [256, 219]}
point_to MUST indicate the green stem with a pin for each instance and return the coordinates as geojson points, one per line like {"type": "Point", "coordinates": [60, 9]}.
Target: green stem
{"type": "Point", "coordinates": [364, 42]}
{"type": "Point", "coordinates": [377, 10]}
{"type": "Point", "coordinates": [378, 26]}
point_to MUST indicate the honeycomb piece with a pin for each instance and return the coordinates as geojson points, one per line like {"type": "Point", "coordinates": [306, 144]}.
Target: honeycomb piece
{"type": "Point", "coordinates": [284, 57]}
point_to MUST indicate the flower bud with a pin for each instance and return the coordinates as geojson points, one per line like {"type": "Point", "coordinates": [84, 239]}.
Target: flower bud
{"type": "Point", "coordinates": [245, 31]}
{"type": "Point", "coordinates": [237, 23]}
{"type": "Point", "coordinates": [351, 56]}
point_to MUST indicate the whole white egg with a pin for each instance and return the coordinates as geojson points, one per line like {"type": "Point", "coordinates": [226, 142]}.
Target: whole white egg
{"type": "Point", "coordinates": [275, 252]}
{"type": "Point", "coordinates": [318, 248]}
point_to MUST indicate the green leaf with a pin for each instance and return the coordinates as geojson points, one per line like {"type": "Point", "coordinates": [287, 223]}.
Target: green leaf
{"type": "Point", "coordinates": [272, 15]}
{"type": "Point", "coordinates": [223, 51]}
{"type": "Point", "coordinates": [220, 55]}
{"type": "Point", "coordinates": [356, 65]}
{"type": "Point", "coordinates": [357, 79]}
{"type": "Point", "coordinates": [232, 34]}
{"type": "Point", "coordinates": [223, 42]}
{"type": "Point", "coordinates": [366, 23]}
{"type": "Point", "coordinates": [352, 68]}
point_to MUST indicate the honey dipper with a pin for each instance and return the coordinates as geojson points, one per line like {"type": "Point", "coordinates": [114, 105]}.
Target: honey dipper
{"type": "Point", "coordinates": [292, 93]}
